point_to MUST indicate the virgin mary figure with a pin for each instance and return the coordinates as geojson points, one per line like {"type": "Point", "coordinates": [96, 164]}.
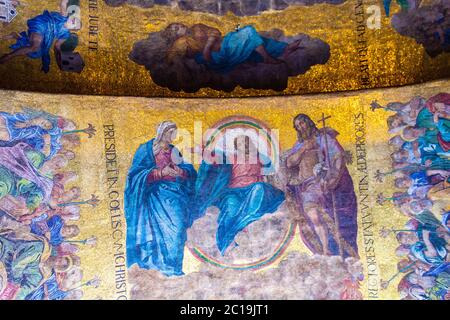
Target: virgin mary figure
{"type": "Point", "coordinates": [158, 204]}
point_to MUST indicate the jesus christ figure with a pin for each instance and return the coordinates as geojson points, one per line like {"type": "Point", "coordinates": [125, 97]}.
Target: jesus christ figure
{"type": "Point", "coordinates": [237, 189]}
{"type": "Point", "coordinates": [323, 190]}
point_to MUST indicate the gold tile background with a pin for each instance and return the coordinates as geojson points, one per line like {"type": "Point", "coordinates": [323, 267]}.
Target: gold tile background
{"type": "Point", "coordinates": [393, 59]}
{"type": "Point", "coordinates": [136, 120]}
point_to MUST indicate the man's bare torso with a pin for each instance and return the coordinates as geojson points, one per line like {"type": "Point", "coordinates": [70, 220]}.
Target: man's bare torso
{"type": "Point", "coordinates": [308, 161]}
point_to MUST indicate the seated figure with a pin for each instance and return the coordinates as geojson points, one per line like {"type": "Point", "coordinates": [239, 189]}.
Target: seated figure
{"type": "Point", "coordinates": [239, 192]}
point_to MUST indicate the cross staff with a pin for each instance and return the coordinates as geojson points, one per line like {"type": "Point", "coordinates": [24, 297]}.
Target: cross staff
{"type": "Point", "coordinates": [89, 241]}
{"type": "Point", "coordinates": [93, 201]}
{"type": "Point", "coordinates": [90, 131]}
{"type": "Point", "coordinates": [385, 283]}
{"type": "Point", "coordinates": [333, 199]}
{"type": "Point", "coordinates": [94, 282]}
{"type": "Point", "coordinates": [381, 199]}
{"type": "Point", "coordinates": [385, 232]}
{"type": "Point", "coordinates": [11, 216]}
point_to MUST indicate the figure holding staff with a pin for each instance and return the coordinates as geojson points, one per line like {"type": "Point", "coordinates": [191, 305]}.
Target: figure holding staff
{"type": "Point", "coordinates": [323, 190]}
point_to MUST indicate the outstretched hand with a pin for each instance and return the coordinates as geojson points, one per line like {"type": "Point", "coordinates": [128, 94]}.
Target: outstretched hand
{"type": "Point", "coordinates": [63, 7]}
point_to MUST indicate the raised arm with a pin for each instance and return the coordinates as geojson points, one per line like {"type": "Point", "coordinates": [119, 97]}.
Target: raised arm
{"type": "Point", "coordinates": [57, 51]}
{"type": "Point", "coordinates": [212, 39]}
{"type": "Point", "coordinates": [396, 106]}
{"type": "Point", "coordinates": [63, 7]}
{"type": "Point", "coordinates": [393, 106]}
{"type": "Point", "coordinates": [207, 35]}
{"type": "Point", "coordinates": [294, 159]}
{"type": "Point", "coordinates": [207, 49]}
{"type": "Point", "coordinates": [36, 41]}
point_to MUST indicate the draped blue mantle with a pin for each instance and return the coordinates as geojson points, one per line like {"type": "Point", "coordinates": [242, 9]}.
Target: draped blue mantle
{"type": "Point", "coordinates": [157, 214]}
{"type": "Point", "coordinates": [54, 293]}
{"type": "Point", "coordinates": [33, 135]}
{"type": "Point", "coordinates": [239, 207]}
{"type": "Point", "coordinates": [239, 46]}
{"type": "Point", "coordinates": [50, 25]}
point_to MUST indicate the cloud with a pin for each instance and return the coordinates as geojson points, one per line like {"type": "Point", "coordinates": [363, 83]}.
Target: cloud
{"type": "Point", "coordinates": [192, 76]}
{"type": "Point", "coordinates": [258, 240]}
{"type": "Point", "coordinates": [298, 276]}
{"type": "Point", "coordinates": [423, 24]}
{"type": "Point", "coordinates": [221, 7]}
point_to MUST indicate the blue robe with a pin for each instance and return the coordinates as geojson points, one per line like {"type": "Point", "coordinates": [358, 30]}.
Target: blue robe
{"type": "Point", "coordinates": [429, 145]}
{"type": "Point", "coordinates": [445, 218]}
{"type": "Point", "coordinates": [54, 293]}
{"type": "Point", "coordinates": [437, 36]}
{"type": "Point", "coordinates": [50, 25]}
{"type": "Point", "coordinates": [428, 222]}
{"type": "Point", "coordinates": [157, 214]}
{"type": "Point", "coordinates": [239, 207]}
{"type": "Point", "coordinates": [33, 135]}
{"type": "Point", "coordinates": [412, 159]}
{"type": "Point", "coordinates": [22, 259]}
{"type": "Point", "coordinates": [239, 47]}
{"type": "Point", "coordinates": [425, 120]}
{"type": "Point", "coordinates": [54, 226]}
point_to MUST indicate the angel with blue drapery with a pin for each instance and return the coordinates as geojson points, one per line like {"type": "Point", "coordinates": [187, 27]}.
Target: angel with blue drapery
{"type": "Point", "coordinates": [39, 129]}
{"type": "Point", "coordinates": [44, 31]}
{"type": "Point", "coordinates": [234, 183]}
{"type": "Point", "coordinates": [159, 204]}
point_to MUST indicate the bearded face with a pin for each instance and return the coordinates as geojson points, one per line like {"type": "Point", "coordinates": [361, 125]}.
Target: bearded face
{"type": "Point", "coordinates": [304, 129]}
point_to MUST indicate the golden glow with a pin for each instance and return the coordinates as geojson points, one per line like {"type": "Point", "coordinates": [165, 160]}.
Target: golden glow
{"type": "Point", "coordinates": [136, 119]}
{"type": "Point", "coordinates": [393, 59]}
